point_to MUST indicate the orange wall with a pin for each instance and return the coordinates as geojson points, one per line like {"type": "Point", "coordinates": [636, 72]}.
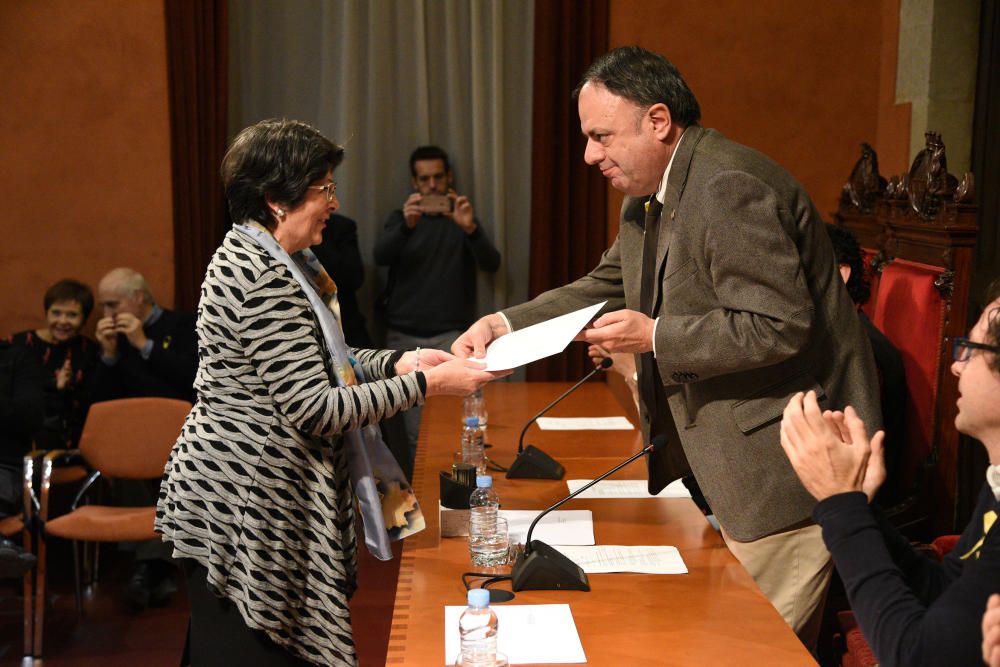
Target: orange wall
{"type": "Point", "coordinates": [803, 82]}
{"type": "Point", "coordinates": [85, 164]}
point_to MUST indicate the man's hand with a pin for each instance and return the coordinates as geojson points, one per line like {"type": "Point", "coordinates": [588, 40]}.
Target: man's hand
{"type": "Point", "coordinates": [461, 212]}
{"type": "Point", "coordinates": [825, 462]}
{"type": "Point", "coordinates": [411, 210]}
{"type": "Point", "coordinates": [131, 326]}
{"type": "Point", "coordinates": [107, 336]}
{"type": "Point", "coordinates": [474, 341]}
{"type": "Point", "coordinates": [875, 473]}
{"type": "Point", "coordinates": [621, 331]}
{"type": "Point", "coordinates": [991, 632]}
{"type": "Point", "coordinates": [428, 358]}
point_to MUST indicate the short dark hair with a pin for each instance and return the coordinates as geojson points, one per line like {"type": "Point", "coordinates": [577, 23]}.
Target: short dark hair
{"type": "Point", "coordinates": [993, 321]}
{"type": "Point", "coordinates": [428, 153]}
{"type": "Point", "coordinates": [848, 251]}
{"type": "Point", "coordinates": [276, 158]}
{"type": "Point", "coordinates": [645, 78]}
{"type": "Point", "coordinates": [70, 290]}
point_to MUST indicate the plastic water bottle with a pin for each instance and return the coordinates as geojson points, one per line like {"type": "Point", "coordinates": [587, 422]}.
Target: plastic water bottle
{"type": "Point", "coordinates": [472, 445]}
{"type": "Point", "coordinates": [484, 503]}
{"type": "Point", "coordinates": [474, 405]}
{"type": "Point", "coordinates": [477, 628]}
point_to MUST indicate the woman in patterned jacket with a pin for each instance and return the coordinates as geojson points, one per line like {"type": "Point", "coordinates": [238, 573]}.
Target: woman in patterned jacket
{"type": "Point", "coordinates": [258, 494]}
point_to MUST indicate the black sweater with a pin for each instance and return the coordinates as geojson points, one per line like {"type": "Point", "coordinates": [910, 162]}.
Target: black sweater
{"type": "Point", "coordinates": [432, 273]}
{"type": "Point", "coordinates": [911, 609]}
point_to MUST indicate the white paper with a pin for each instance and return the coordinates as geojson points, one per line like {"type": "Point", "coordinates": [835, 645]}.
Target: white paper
{"type": "Point", "coordinates": [537, 341]}
{"type": "Point", "coordinates": [612, 558]}
{"type": "Point", "coordinates": [584, 424]}
{"type": "Point", "coordinates": [574, 527]}
{"type": "Point", "coordinates": [526, 634]}
{"type": "Point", "coordinates": [626, 488]}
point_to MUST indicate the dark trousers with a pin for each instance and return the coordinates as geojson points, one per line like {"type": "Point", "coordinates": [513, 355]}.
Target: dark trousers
{"type": "Point", "coordinates": [217, 634]}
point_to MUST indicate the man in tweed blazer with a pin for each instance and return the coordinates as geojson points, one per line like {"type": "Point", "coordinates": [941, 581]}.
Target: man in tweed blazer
{"type": "Point", "coordinates": [732, 307]}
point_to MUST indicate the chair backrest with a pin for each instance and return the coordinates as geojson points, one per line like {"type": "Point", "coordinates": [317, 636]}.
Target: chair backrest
{"type": "Point", "coordinates": [131, 438]}
{"type": "Point", "coordinates": [872, 262]}
{"type": "Point", "coordinates": [918, 233]}
{"type": "Point", "coordinates": [910, 311]}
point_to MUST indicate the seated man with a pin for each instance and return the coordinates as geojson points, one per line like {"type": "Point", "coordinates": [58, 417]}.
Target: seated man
{"type": "Point", "coordinates": [433, 248]}
{"type": "Point", "coordinates": [146, 350]}
{"type": "Point", "coordinates": [911, 609]}
{"type": "Point", "coordinates": [889, 363]}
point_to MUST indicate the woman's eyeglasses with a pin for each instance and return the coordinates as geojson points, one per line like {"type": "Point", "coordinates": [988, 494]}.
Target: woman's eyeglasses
{"type": "Point", "coordinates": [330, 189]}
{"type": "Point", "coordinates": [961, 348]}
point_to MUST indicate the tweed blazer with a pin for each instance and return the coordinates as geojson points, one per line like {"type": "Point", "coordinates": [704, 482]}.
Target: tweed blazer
{"type": "Point", "coordinates": [750, 309]}
{"type": "Point", "coordinates": [257, 487]}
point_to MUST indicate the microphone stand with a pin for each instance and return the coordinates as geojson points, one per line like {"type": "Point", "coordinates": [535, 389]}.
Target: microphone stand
{"type": "Point", "coordinates": [543, 568]}
{"type": "Point", "coordinates": [532, 462]}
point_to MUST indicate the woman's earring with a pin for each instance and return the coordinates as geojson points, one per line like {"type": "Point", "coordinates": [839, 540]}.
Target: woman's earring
{"type": "Point", "coordinates": [280, 212]}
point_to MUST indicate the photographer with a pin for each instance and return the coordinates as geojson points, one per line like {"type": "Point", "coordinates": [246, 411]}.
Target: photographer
{"type": "Point", "coordinates": [433, 248]}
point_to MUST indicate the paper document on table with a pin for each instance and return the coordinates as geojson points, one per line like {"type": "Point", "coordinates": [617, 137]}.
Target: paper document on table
{"type": "Point", "coordinates": [584, 424]}
{"type": "Point", "coordinates": [559, 527]}
{"type": "Point", "coordinates": [537, 341]}
{"type": "Point", "coordinates": [529, 634]}
{"type": "Point", "coordinates": [626, 488]}
{"type": "Point", "coordinates": [611, 558]}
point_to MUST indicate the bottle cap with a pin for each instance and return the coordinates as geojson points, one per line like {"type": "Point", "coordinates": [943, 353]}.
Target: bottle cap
{"type": "Point", "coordinates": [479, 597]}
{"type": "Point", "coordinates": [484, 481]}
{"type": "Point", "coordinates": [472, 421]}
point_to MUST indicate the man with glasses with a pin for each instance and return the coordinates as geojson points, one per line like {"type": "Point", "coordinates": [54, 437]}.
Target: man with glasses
{"type": "Point", "coordinates": [433, 247]}
{"type": "Point", "coordinates": [912, 610]}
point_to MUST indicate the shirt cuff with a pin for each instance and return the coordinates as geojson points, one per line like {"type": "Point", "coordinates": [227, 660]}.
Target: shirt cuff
{"type": "Point", "coordinates": [503, 317]}
{"type": "Point", "coordinates": [147, 349]}
{"type": "Point", "coordinates": [655, 322]}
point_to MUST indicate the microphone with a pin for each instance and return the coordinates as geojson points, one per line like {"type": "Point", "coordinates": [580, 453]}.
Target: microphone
{"type": "Point", "coordinates": [542, 568]}
{"type": "Point", "coordinates": [533, 463]}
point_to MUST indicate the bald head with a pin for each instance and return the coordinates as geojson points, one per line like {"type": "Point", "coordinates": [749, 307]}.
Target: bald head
{"type": "Point", "coordinates": [124, 290]}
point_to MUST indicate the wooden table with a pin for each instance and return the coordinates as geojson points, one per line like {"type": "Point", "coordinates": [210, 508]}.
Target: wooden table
{"type": "Point", "coordinates": [714, 615]}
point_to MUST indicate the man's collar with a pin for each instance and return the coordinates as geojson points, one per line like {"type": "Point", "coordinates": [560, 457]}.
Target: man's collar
{"type": "Point", "coordinates": [661, 192]}
{"type": "Point", "coordinates": [154, 314]}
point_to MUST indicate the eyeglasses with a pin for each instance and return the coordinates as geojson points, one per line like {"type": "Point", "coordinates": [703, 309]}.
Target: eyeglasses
{"type": "Point", "coordinates": [330, 189]}
{"type": "Point", "coordinates": [961, 348]}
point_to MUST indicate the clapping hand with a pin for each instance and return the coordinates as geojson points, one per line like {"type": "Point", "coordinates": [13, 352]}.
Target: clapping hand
{"type": "Point", "coordinates": [831, 452]}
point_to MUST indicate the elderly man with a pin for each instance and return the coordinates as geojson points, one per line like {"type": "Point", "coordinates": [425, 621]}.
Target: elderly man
{"type": "Point", "coordinates": [723, 284]}
{"type": "Point", "coordinates": [146, 350]}
{"type": "Point", "coordinates": [912, 610]}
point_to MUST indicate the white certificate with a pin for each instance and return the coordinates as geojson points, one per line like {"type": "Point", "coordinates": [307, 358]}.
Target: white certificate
{"type": "Point", "coordinates": [537, 341]}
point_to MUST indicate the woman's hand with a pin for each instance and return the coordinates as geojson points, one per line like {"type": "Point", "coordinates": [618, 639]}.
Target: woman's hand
{"type": "Point", "coordinates": [830, 455]}
{"type": "Point", "coordinates": [459, 377]}
{"type": "Point", "coordinates": [427, 358]}
{"type": "Point", "coordinates": [991, 632]}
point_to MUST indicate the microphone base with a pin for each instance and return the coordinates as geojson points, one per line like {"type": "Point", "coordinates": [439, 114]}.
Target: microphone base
{"type": "Point", "coordinates": [533, 463]}
{"type": "Point", "coordinates": [545, 569]}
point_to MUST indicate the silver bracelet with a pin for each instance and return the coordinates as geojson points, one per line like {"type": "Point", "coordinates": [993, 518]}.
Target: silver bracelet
{"type": "Point", "coordinates": [417, 367]}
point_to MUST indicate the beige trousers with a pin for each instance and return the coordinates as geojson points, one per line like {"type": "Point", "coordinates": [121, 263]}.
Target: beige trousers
{"type": "Point", "coordinates": [793, 570]}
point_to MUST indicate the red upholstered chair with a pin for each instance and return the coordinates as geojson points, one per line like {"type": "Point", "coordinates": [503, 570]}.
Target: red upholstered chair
{"type": "Point", "coordinates": [910, 311]}
{"type": "Point", "coordinates": [125, 439]}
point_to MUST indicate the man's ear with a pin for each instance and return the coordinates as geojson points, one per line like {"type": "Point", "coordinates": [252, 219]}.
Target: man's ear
{"type": "Point", "coordinates": [659, 117]}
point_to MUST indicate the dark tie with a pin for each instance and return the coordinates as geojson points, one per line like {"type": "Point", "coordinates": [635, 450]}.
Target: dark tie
{"type": "Point", "coordinates": [650, 241]}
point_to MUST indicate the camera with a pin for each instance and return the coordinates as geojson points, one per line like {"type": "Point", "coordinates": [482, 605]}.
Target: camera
{"type": "Point", "coordinates": [436, 204]}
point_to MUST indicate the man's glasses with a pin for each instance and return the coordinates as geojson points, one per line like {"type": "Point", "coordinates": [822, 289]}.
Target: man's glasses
{"type": "Point", "coordinates": [961, 348]}
{"type": "Point", "coordinates": [330, 189]}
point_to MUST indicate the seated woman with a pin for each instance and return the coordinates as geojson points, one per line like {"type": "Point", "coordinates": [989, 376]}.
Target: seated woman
{"type": "Point", "coordinates": [258, 494]}
{"type": "Point", "coordinates": [911, 609]}
{"type": "Point", "coordinates": [67, 357]}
